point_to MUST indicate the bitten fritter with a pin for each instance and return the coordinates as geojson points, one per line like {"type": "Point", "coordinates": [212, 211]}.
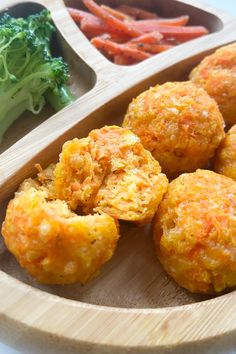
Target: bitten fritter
{"type": "Point", "coordinates": [225, 158]}
{"type": "Point", "coordinates": [178, 123]}
{"type": "Point", "coordinates": [80, 173]}
{"type": "Point", "coordinates": [55, 245]}
{"type": "Point", "coordinates": [217, 75]}
{"type": "Point", "coordinates": [194, 231]}
{"type": "Point", "coordinates": [135, 185]}
{"type": "Point", "coordinates": [110, 172]}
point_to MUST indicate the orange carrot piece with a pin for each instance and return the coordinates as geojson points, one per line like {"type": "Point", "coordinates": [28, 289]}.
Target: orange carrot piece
{"type": "Point", "coordinates": [137, 12]}
{"type": "Point", "coordinates": [170, 41]}
{"type": "Point", "coordinates": [114, 38]}
{"type": "Point", "coordinates": [118, 14]}
{"type": "Point", "coordinates": [152, 48]}
{"type": "Point", "coordinates": [159, 48]}
{"type": "Point", "coordinates": [93, 26]}
{"type": "Point", "coordinates": [152, 24]}
{"type": "Point", "coordinates": [119, 49]}
{"type": "Point", "coordinates": [78, 15]}
{"type": "Point", "coordinates": [110, 20]}
{"type": "Point", "coordinates": [151, 38]}
{"type": "Point", "coordinates": [178, 33]}
{"type": "Point", "coordinates": [123, 60]}
{"type": "Point", "coordinates": [175, 21]}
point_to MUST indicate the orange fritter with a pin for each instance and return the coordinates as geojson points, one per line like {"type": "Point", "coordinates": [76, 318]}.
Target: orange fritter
{"type": "Point", "coordinates": [195, 231]}
{"type": "Point", "coordinates": [135, 185]}
{"type": "Point", "coordinates": [225, 159]}
{"type": "Point", "coordinates": [118, 175]}
{"type": "Point", "coordinates": [179, 123]}
{"type": "Point", "coordinates": [55, 245]}
{"type": "Point", "coordinates": [217, 75]}
{"type": "Point", "coordinates": [80, 173]}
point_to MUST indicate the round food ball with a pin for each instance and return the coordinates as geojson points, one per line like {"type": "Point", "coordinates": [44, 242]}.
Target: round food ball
{"type": "Point", "coordinates": [217, 75]}
{"type": "Point", "coordinates": [179, 123]}
{"type": "Point", "coordinates": [135, 185]}
{"type": "Point", "coordinates": [55, 245]}
{"type": "Point", "coordinates": [110, 172]}
{"type": "Point", "coordinates": [225, 159]}
{"type": "Point", "coordinates": [194, 231]}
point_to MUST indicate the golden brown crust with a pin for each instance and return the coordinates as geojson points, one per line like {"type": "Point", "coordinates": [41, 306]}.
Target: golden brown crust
{"type": "Point", "coordinates": [194, 231]}
{"type": "Point", "coordinates": [217, 75]}
{"type": "Point", "coordinates": [111, 172]}
{"type": "Point", "coordinates": [55, 245]}
{"type": "Point", "coordinates": [225, 158]}
{"type": "Point", "coordinates": [179, 123]}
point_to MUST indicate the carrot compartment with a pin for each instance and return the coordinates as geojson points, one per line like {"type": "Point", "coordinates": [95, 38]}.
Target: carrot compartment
{"type": "Point", "coordinates": [127, 35]}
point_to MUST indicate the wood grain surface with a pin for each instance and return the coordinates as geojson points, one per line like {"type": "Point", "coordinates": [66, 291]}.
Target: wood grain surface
{"type": "Point", "coordinates": [132, 306]}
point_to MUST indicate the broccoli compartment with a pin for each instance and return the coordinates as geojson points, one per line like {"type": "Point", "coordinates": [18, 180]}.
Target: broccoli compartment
{"type": "Point", "coordinates": [29, 74]}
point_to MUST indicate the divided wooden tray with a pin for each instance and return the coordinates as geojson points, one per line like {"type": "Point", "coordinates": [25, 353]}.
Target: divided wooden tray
{"type": "Point", "coordinates": [132, 307]}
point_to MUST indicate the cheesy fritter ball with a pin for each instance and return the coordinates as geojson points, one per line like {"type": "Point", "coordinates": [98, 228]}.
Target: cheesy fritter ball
{"type": "Point", "coordinates": [217, 75]}
{"type": "Point", "coordinates": [110, 172]}
{"type": "Point", "coordinates": [194, 231]}
{"type": "Point", "coordinates": [225, 158]}
{"type": "Point", "coordinates": [55, 245]}
{"type": "Point", "coordinates": [135, 185]}
{"type": "Point", "coordinates": [179, 123]}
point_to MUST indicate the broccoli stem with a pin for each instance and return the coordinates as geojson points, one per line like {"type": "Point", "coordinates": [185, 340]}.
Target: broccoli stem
{"type": "Point", "coordinates": [60, 99]}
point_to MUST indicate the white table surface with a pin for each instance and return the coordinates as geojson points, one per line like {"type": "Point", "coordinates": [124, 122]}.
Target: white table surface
{"type": "Point", "coordinates": [221, 346]}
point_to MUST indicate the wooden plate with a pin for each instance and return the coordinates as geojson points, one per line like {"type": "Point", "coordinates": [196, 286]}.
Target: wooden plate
{"type": "Point", "coordinates": [132, 307]}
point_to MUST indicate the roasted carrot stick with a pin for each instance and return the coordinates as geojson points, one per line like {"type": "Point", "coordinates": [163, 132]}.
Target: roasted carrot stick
{"type": "Point", "coordinates": [151, 38]}
{"type": "Point", "coordinates": [179, 33]}
{"type": "Point", "coordinates": [123, 60]}
{"type": "Point", "coordinates": [93, 26]}
{"type": "Point", "coordinates": [136, 12]}
{"type": "Point", "coordinates": [119, 49]}
{"type": "Point", "coordinates": [171, 41]}
{"type": "Point", "coordinates": [118, 14]}
{"type": "Point", "coordinates": [114, 38]}
{"type": "Point", "coordinates": [151, 48]}
{"type": "Point", "coordinates": [110, 20]}
{"type": "Point", "coordinates": [78, 15]}
{"type": "Point", "coordinates": [175, 21]}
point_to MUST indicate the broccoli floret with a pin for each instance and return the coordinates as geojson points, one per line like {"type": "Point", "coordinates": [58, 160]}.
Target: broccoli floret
{"type": "Point", "coordinates": [28, 72]}
{"type": "Point", "coordinates": [38, 25]}
{"type": "Point", "coordinates": [41, 27]}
